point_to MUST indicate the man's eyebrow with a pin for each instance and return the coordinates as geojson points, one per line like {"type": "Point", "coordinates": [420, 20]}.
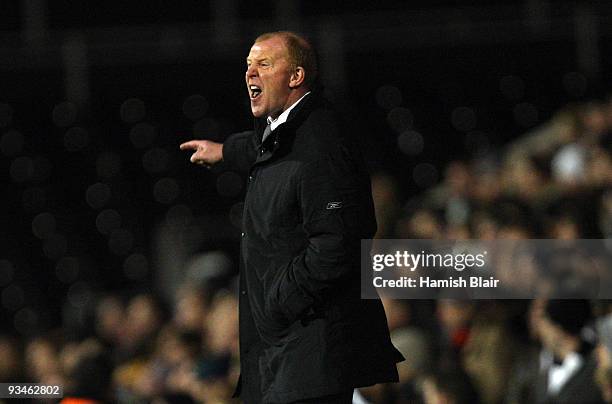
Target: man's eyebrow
{"type": "Point", "coordinates": [257, 59]}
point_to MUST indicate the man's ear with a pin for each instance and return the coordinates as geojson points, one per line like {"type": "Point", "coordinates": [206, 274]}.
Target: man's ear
{"type": "Point", "coordinates": [297, 77]}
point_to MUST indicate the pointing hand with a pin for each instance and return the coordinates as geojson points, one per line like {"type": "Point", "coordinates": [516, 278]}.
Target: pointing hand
{"type": "Point", "coordinates": [205, 152]}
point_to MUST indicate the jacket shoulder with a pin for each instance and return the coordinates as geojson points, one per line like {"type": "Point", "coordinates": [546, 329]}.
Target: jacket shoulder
{"type": "Point", "coordinates": [323, 132]}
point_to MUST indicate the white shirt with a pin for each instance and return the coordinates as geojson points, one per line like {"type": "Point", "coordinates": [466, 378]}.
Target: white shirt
{"type": "Point", "coordinates": [282, 118]}
{"type": "Point", "coordinates": [558, 375]}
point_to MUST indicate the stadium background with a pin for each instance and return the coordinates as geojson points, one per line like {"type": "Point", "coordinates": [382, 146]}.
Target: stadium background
{"type": "Point", "coordinates": [99, 203]}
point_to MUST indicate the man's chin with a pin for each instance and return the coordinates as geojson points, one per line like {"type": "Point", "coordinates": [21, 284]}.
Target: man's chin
{"type": "Point", "coordinates": [257, 112]}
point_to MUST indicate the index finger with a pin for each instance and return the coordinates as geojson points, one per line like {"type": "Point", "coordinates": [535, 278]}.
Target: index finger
{"type": "Point", "coordinates": [191, 145]}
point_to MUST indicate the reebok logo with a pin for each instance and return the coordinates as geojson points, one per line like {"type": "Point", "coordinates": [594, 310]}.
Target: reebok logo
{"type": "Point", "coordinates": [334, 205]}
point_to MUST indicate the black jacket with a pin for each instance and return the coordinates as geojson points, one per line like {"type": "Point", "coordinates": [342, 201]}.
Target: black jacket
{"type": "Point", "coordinates": [580, 388]}
{"type": "Point", "coordinates": [304, 331]}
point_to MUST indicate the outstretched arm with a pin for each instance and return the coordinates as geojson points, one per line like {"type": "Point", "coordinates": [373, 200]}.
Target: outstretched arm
{"type": "Point", "coordinates": [205, 152]}
{"type": "Point", "coordinates": [238, 151]}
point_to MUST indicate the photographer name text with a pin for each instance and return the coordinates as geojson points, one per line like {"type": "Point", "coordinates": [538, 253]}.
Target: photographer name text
{"type": "Point", "coordinates": [407, 261]}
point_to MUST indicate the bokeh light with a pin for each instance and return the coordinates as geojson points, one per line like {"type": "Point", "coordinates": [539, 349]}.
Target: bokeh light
{"type": "Point", "coordinates": [512, 87]}
{"type": "Point", "coordinates": [400, 119]}
{"type": "Point", "coordinates": [155, 160]}
{"type": "Point", "coordinates": [6, 115]}
{"type": "Point", "coordinates": [388, 97]}
{"type": "Point", "coordinates": [121, 241]}
{"type": "Point", "coordinates": [195, 107]}
{"type": "Point", "coordinates": [11, 143]}
{"type": "Point", "coordinates": [525, 114]}
{"type": "Point", "coordinates": [143, 134]}
{"type": "Point", "coordinates": [22, 169]}
{"type": "Point", "coordinates": [107, 221]}
{"type": "Point", "coordinates": [132, 110]}
{"type": "Point", "coordinates": [43, 225]}
{"type": "Point", "coordinates": [7, 272]}
{"type": "Point", "coordinates": [166, 190]}
{"type": "Point", "coordinates": [136, 267]}
{"type": "Point", "coordinates": [425, 175]}
{"type": "Point", "coordinates": [229, 184]}
{"type": "Point", "coordinates": [98, 195]}
{"type": "Point", "coordinates": [67, 269]}
{"type": "Point", "coordinates": [108, 165]}
{"type": "Point", "coordinates": [463, 119]}
{"type": "Point", "coordinates": [64, 114]}
{"type": "Point", "coordinates": [410, 142]}
{"type": "Point", "coordinates": [76, 138]}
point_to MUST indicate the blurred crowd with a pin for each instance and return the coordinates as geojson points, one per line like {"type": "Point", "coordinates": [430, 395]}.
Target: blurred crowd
{"type": "Point", "coordinates": [554, 182]}
{"type": "Point", "coordinates": [139, 350]}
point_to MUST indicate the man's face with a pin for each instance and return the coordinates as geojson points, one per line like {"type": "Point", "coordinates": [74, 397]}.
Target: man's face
{"type": "Point", "coordinates": [267, 77]}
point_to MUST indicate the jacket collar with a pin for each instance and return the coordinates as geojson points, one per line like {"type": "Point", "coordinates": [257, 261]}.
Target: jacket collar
{"type": "Point", "coordinates": [295, 118]}
{"type": "Point", "coordinates": [282, 118]}
{"type": "Point", "coordinates": [284, 132]}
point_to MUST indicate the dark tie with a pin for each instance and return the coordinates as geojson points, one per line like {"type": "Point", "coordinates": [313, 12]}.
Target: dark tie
{"type": "Point", "coordinates": [266, 133]}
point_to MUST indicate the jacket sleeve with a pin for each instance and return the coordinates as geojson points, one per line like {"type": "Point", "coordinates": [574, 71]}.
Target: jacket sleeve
{"type": "Point", "coordinates": [240, 151]}
{"type": "Point", "coordinates": [336, 206]}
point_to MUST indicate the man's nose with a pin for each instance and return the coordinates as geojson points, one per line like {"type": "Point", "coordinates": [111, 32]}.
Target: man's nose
{"type": "Point", "coordinates": [251, 71]}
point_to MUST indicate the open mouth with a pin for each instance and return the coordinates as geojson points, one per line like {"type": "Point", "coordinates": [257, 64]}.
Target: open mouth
{"type": "Point", "coordinates": [254, 91]}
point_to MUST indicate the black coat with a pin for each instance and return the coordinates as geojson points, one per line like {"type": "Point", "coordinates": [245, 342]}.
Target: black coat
{"type": "Point", "coordinates": [304, 331]}
{"type": "Point", "coordinates": [580, 388]}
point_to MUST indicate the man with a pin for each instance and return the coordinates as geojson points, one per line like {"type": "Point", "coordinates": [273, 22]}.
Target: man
{"type": "Point", "coordinates": [567, 374]}
{"type": "Point", "coordinates": [305, 334]}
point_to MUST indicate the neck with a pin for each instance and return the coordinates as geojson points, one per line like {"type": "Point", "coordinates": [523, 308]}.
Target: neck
{"type": "Point", "coordinates": [294, 97]}
{"type": "Point", "coordinates": [567, 346]}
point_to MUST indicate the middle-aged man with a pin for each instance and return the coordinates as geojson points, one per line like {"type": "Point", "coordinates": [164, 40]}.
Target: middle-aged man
{"type": "Point", "coordinates": [305, 334]}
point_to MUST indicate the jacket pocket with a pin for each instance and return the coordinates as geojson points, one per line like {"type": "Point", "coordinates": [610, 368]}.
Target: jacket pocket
{"type": "Point", "coordinates": [295, 362]}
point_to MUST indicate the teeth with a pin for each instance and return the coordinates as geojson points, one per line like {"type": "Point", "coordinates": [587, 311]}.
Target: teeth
{"type": "Point", "coordinates": [255, 91]}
